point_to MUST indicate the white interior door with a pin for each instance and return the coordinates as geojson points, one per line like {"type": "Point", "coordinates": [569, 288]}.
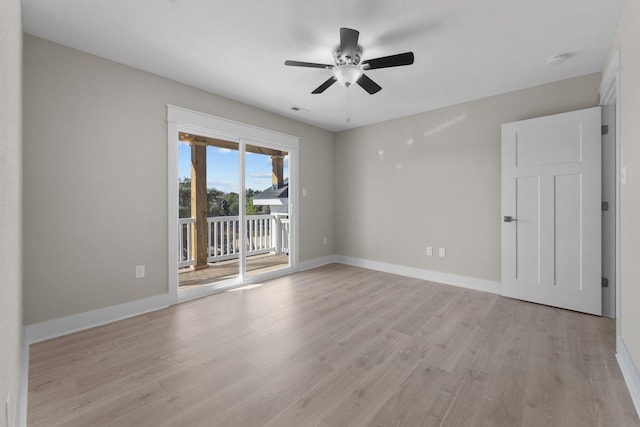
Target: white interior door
{"type": "Point", "coordinates": [551, 207]}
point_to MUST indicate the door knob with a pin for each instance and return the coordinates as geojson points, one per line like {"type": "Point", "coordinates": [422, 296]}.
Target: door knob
{"type": "Point", "coordinates": [508, 218]}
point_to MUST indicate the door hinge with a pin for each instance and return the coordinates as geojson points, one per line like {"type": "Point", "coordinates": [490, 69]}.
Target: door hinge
{"type": "Point", "coordinates": [604, 129]}
{"type": "Point", "coordinates": [605, 206]}
{"type": "Point", "coordinates": [605, 282]}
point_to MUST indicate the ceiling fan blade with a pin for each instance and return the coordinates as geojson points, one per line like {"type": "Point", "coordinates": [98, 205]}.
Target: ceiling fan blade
{"type": "Point", "coordinates": [389, 61]}
{"type": "Point", "coordinates": [324, 86]}
{"type": "Point", "coordinates": [349, 41]}
{"type": "Point", "coordinates": [369, 85]}
{"type": "Point", "coordinates": [307, 64]}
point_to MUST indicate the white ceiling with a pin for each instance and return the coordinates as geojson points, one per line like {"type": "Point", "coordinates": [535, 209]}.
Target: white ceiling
{"type": "Point", "coordinates": [464, 49]}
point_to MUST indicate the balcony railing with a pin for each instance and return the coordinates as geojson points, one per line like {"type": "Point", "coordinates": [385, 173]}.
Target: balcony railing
{"type": "Point", "coordinates": [265, 234]}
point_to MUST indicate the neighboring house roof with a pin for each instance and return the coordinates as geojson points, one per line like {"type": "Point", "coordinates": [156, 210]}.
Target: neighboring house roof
{"type": "Point", "coordinates": [273, 196]}
{"type": "Point", "coordinates": [273, 193]}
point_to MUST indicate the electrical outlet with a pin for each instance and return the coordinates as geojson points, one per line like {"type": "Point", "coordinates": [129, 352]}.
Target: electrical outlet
{"type": "Point", "coordinates": [140, 271]}
{"type": "Point", "coordinates": [324, 240]}
{"type": "Point", "coordinates": [429, 251]}
{"type": "Point", "coordinates": [441, 252]}
{"type": "Point", "coordinates": [304, 192]}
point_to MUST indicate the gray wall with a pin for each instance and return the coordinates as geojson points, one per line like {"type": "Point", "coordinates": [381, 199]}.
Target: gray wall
{"type": "Point", "coordinates": [95, 168]}
{"type": "Point", "coordinates": [10, 203]}
{"type": "Point", "coordinates": [628, 41]}
{"type": "Point", "coordinates": [433, 179]}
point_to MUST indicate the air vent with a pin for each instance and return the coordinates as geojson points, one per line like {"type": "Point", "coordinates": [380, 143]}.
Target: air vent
{"type": "Point", "coordinates": [558, 59]}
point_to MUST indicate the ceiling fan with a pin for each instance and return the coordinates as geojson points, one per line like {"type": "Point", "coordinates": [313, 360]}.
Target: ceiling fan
{"type": "Point", "coordinates": [349, 69]}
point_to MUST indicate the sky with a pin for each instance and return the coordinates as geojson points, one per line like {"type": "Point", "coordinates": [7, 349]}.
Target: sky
{"type": "Point", "coordinates": [223, 168]}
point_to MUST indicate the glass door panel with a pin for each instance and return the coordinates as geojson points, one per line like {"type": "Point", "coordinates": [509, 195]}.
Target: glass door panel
{"type": "Point", "coordinates": [267, 231]}
{"type": "Point", "coordinates": [209, 211]}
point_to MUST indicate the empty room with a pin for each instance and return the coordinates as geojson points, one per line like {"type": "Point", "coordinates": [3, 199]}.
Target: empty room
{"type": "Point", "coordinates": [337, 213]}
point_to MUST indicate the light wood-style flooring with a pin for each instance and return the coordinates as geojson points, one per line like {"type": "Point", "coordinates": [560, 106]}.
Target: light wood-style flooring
{"type": "Point", "coordinates": [336, 346]}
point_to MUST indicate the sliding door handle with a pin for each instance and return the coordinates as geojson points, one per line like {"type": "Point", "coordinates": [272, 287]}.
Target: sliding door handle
{"type": "Point", "coordinates": [509, 219]}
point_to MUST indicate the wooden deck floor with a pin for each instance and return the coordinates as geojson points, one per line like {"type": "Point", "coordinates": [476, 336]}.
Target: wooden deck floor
{"type": "Point", "coordinates": [336, 346]}
{"type": "Point", "coordinates": [226, 269]}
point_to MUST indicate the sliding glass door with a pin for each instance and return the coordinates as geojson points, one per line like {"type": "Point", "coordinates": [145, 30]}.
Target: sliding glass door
{"type": "Point", "coordinates": [267, 213]}
{"type": "Point", "coordinates": [234, 212]}
{"type": "Point", "coordinates": [232, 198]}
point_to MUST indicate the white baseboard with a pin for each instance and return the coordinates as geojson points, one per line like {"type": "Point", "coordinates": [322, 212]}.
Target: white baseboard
{"type": "Point", "coordinates": [65, 325]}
{"type": "Point", "coordinates": [418, 273]}
{"type": "Point", "coordinates": [629, 372]}
{"type": "Point", "coordinates": [316, 262]}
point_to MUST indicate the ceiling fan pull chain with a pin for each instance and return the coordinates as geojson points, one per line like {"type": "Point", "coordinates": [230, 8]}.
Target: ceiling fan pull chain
{"type": "Point", "coordinates": [348, 106]}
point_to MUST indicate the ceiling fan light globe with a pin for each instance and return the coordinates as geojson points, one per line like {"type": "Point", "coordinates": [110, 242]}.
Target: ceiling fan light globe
{"type": "Point", "coordinates": [347, 74]}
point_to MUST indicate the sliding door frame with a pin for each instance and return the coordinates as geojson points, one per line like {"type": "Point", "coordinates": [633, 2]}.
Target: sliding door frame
{"type": "Point", "coordinates": [193, 122]}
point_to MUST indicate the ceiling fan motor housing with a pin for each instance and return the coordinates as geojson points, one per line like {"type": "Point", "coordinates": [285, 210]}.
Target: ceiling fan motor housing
{"type": "Point", "coordinates": [346, 57]}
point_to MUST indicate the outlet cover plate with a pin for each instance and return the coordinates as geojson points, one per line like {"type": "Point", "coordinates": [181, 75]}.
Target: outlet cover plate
{"type": "Point", "coordinates": [140, 271]}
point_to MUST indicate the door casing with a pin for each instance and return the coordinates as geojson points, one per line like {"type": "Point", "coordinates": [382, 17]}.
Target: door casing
{"type": "Point", "coordinates": [184, 120]}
